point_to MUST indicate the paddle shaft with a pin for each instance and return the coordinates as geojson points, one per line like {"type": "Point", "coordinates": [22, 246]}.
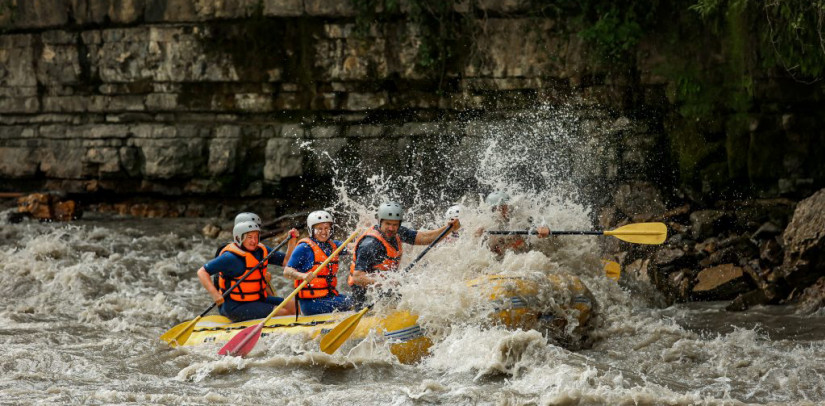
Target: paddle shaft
{"type": "Point", "coordinates": [421, 255]}
{"type": "Point", "coordinates": [614, 232]}
{"type": "Point", "coordinates": [243, 278]}
{"type": "Point", "coordinates": [533, 232]}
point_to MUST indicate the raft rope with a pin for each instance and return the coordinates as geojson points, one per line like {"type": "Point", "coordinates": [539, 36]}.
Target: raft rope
{"type": "Point", "coordinates": [311, 323]}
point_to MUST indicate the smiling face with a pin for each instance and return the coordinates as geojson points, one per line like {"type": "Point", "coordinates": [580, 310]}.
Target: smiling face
{"type": "Point", "coordinates": [250, 240]}
{"type": "Point", "coordinates": [322, 231]}
{"type": "Point", "coordinates": [389, 227]}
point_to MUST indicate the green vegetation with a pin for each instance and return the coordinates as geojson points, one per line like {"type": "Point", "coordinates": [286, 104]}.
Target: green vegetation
{"type": "Point", "coordinates": [612, 28]}
{"type": "Point", "coordinates": [792, 34]}
{"type": "Point", "coordinates": [435, 25]}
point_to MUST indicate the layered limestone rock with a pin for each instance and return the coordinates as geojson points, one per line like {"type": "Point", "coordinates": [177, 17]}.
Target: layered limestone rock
{"type": "Point", "coordinates": [201, 97]}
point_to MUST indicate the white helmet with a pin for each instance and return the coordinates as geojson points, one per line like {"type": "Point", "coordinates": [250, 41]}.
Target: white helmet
{"type": "Point", "coordinates": [243, 228]}
{"type": "Point", "coordinates": [453, 213]}
{"type": "Point", "coordinates": [390, 211]}
{"type": "Point", "coordinates": [247, 216]}
{"type": "Point", "coordinates": [497, 198]}
{"type": "Point", "coordinates": [318, 217]}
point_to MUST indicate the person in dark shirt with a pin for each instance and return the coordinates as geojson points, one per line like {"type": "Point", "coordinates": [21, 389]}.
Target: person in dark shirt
{"type": "Point", "coordinates": [380, 248]}
{"type": "Point", "coordinates": [250, 299]}
{"type": "Point", "coordinates": [320, 295]}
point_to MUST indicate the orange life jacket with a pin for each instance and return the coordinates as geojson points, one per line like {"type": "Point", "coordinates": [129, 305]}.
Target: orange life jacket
{"type": "Point", "coordinates": [254, 286]}
{"type": "Point", "coordinates": [324, 283]}
{"type": "Point", "coordinates": [514, 245]}
{"type": "Point", "coordinates": [389, 263]}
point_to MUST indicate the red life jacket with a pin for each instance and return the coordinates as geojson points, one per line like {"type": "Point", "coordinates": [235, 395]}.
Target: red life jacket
{"type": "Point", "coordinates": [389, 263]}
{"type": "Point", "coordinates": [324, 283]}
{"type": "Point", "coordinates": [254, 286]}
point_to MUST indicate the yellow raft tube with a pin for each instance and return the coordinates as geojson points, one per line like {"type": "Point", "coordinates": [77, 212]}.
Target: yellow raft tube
{"type": "Point", "coordinates": [518, 302]}
{"type": "Point", "coordinates": [407, 341]}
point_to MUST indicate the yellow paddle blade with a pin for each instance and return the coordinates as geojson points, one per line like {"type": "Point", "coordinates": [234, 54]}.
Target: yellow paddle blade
{"type": "Point", "coordinates": [641, 233]}
{"type": "Point", "coordinates": [340, 333]}
{"type": "Point", "coordinates": [179, 334]}
{"type": "Point", "coordinates": [612, 269]}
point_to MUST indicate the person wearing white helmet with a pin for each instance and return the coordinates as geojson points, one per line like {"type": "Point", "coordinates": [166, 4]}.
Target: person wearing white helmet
{"type": "Point", "coordinates": [499, 202]}
{"type": "Point", "coordinates": [240, 218]}
{"type": "Point", "coordinates": [320, 295]}
{"type": "Point", "coordinates": [250, 299]}
{"type": "Point", "coordinates": [452, 213]}
{"type": "Point", "coordinates": [380, 248]}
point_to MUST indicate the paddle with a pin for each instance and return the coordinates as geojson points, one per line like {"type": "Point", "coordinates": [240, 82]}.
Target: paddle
{"type": "Point", "coordinates": [638, 233]}
{"type": "Point", "coordinates": [612, 269]}
{"type": "Point", "coordinates": [243, 342]}
{"type": "Point", "coordinates": [339, 334]}
{"type": "Point", "coordinates": [179, 334]}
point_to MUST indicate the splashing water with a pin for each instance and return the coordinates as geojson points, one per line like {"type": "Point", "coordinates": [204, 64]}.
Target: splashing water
{"type": "Point", "coordinates": [86, 303]}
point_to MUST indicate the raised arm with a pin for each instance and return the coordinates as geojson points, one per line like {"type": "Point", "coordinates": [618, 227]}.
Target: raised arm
{"type": "Point", "coordinates": [424, 237]}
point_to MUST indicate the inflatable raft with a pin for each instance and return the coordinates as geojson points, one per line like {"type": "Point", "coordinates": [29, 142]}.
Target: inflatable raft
{"type": "Point", "coordinates": [560, 306]}
{"type": "Point", "coordinates": [407, 341]}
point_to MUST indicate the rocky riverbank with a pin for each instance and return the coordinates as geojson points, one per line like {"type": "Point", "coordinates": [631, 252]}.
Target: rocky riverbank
{"type": "Point", "coordinates": [751, 252]}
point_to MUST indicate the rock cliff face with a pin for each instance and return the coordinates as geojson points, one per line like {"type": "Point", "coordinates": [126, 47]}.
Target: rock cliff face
{"type": "Point", "coordinates": [206, 96]}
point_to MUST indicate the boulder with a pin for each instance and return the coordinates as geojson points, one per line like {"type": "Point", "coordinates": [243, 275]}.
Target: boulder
{"type": "Point", "coordinates": [66, 210]}
{"type": "Point", "coordinates": [678, 284]}
{"type": "Point", "coordinates": [804, 242]}
{"type": "Point", "coordinates": [640, 201]}
{"type": "Point", "coordinates": [813, 298]}
{"type": "Point", "coordinates": [211, 230]}
{"type": "Point", "coordinates": [746, 300]}
{"type": "Point", "coordinates": [771, 252]}
{"type": "Point", "coordinates": [667, 256]}
{"type": "Point", "coordinates": [38, 205]}
{"type": "Point", "coordinates": [708, 246]}
{"type": "Point", "coordinates": [723, 282]}
{"type": "Point", "coordinates": [677, 212]}
{"type": "Point", "coordinates": [724, 255]}
{"type": "Point", "coordinates": [638, 269]}
{"type": "Point", "coordinates": [765, 231]}
{"type": "Point", "coordinates": [707, 223]}
{"type": "Point", "coordinates": [44, 206]}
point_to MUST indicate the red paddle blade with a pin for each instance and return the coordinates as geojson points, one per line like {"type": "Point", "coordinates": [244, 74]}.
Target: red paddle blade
{"type": "Point", "coordinates": [243, 342]}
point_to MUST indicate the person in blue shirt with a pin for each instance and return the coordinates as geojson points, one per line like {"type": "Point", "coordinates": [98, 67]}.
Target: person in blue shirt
{"type": "Point", "coordinates": [379, 249]}
{"type": "Point", "coordinates": [250, 299]}
{"type": "Point", "coordinates": [320, 295]}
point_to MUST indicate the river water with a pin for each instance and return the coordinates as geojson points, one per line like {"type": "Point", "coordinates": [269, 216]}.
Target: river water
{"type": "Point", "coordinates": [86, 302]}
